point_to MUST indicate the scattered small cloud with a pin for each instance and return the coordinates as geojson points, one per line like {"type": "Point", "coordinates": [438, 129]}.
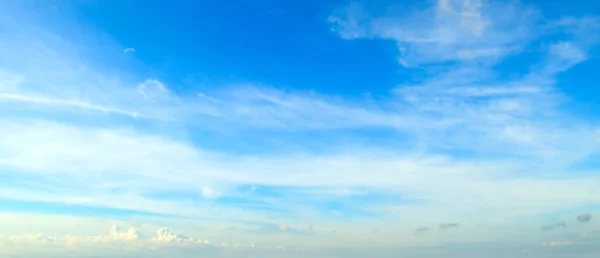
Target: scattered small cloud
{"type": "Point", "coordinates": [584, 218]}
{"type": "Point", "coordinates": [449, 225]}
{"type": "Point", "coordinates": [129, 50]}
{"type": "Point", "coordinates": [209, 193]}
{"type": "Point", "coordinates": [293, 230]}
{"type": "Point", "coordinates": [116, 234]}
{"type": "Point", "coordinates": [553, 226]}
{"type": "Point", "coordinates": [209, 98]}
{"type": "Point", "coordinates": [557, 243]}
{"type": "Point", "coordinates": [152, 89]}
{"type": "Point", "coordinates": [270, 229]}
{"type": "Point", "coordinates": [166, 235]}
{"type": "Point", "coordinates": [281, 247]}
{"type": "Point", "coordinates": [421, 230]}
{"type": "Point", "coordinates": [131, 240]}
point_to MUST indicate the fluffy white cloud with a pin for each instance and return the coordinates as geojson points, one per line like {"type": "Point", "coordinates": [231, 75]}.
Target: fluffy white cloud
{"type": "Point", "coordinates": [165, 235]}
{"type": "Point", "coordinates": [115, 234]}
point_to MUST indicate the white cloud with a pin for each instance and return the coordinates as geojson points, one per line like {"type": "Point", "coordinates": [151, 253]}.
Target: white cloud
{"type": "Point", "coordinates": [451, 30]}
{"type": "Point", "coordinates": [117, 240]}
{"type": "Point", "coordinates": [563, 55]}
{"type": "Point", "coordinates": [166, 243]}
{"type": "Point", "coordinates": [37, 100]}
{"type": "Point", "coordinates": [9, 81]}
{"type": "Point", "coordinates": [115, 234]}
{"type": "Point", "coordinates": [97, 160]}
{"type": "Point", "coordinates": [154, 90]}
{"type": "Point", "coordinates": [165, 235]}
{"type": "Point", "coordinates": [523, 140]}
{"type": "Point", "coordinates": [129, 50]}
{"type": "Point", "coordinates": [209, 193]}
{"type": "Point", "coordinates": [494, 91]}
{"type": "Point", "coordinates": [557, 243]}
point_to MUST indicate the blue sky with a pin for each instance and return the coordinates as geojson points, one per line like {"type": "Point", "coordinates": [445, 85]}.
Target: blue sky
{"type": "Point", "coordinates": [329, 125]}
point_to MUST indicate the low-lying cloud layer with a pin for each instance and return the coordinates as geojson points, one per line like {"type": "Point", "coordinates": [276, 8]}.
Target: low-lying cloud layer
{"type": "Point", "coordinates": [128, 240]}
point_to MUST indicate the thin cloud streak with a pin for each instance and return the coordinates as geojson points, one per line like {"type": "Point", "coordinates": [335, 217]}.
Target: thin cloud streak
{"type": "Point", "coordinates": [560, 224]}
{"type": "Point", "coordinates": [66, 103]}
{"type": "Point", "coordinates": [444, 226]}
{"type": "Point", "coordinates": [421, 230]}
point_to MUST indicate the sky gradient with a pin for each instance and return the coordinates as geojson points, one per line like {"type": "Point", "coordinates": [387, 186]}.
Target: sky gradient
{"type": "Point", "coordinates": [449, 128]}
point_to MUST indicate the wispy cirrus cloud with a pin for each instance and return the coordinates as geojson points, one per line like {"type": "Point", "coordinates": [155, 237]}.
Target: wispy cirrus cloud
{"type": "Point", "coordinates": [449, 30]}
{"type": "Point", "coordinates": [469, 91]}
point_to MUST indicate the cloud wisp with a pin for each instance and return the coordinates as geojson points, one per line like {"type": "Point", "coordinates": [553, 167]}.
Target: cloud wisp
{"type": "Point", "coordinates": [444, 226]}
{"type": "Point", "coordinates": [560, 224]}
{"type": "Point", "coordinates": [421, 230]}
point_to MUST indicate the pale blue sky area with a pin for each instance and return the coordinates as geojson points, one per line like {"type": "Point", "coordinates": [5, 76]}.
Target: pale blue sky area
{"type": "Point", "coordinates": [427, 125]}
